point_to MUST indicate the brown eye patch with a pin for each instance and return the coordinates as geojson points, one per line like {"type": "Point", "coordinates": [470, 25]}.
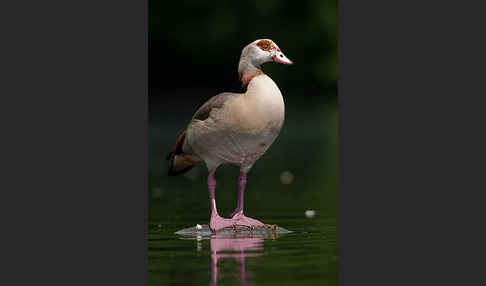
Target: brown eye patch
{"type": "Point", "coordinates": [266, 45]}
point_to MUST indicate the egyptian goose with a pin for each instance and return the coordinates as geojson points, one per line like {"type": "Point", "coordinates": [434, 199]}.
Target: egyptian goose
{"type": "Point", "coordinates": [234, 128]}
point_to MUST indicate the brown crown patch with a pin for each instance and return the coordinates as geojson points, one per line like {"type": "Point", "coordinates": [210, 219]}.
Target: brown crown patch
{"type": "Point", "coordinates": [267, 45]}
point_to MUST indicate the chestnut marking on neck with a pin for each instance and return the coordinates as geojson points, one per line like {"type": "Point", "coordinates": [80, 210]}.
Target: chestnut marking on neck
{"type": "Point", "coordinates": [267, 45]}
{"type": "Point", "coordinates": [246, 78]}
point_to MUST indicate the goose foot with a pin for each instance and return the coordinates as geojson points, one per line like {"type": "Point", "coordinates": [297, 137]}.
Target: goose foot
{"type": "Point", "coordinates": [216, 223]}
{"type": "Point", "coordinates": [241, 219]}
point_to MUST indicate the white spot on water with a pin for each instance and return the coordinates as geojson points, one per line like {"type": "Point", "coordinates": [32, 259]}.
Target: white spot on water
{"type": "Point", "coordinates": [198, 226]}
{"type": "Point", "coordinates": [310, 213]}
{"type": "Point", "coordinates": [286, 177]}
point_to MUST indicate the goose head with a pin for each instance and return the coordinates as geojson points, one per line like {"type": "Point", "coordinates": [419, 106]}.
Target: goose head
{"type": "Point", "coordinates": [262, 51]}
{"type": "Point", "coordinates": [257, 53]}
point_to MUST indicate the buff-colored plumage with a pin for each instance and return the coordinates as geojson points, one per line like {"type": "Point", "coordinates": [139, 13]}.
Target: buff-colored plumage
{"type": "Point", "coordinates": [233, 128]}
{"type": "Point", "coordinates": [236, 128]}
{"type": "Point", "coordinates": [241, 130]}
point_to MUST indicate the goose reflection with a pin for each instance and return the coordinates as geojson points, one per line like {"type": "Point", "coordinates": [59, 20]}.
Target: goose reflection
{"type": "Point", "coordinates": [237, 247]}
{"type": "Point", "coordinates": [232, 244]}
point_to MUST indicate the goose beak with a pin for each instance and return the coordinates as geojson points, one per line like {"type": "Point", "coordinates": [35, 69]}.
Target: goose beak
{"type": "Point", "coordinates": [279, 57]}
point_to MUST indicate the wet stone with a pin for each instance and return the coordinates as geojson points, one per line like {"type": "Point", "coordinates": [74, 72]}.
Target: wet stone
{"type": "Point", "coordinates": [204, 230]}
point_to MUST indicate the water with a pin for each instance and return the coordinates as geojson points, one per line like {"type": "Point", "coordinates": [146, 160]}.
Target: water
{"type": "Point", "coordinates": [307, 256]}
{"type": "Point", "coordinates": [294, 185]}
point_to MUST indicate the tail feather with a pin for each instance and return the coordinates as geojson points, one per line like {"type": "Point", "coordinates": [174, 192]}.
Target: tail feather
{"type": "Point", "coordinates": [180, 162]}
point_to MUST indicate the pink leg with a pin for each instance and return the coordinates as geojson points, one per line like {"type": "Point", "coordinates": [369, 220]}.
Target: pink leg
{"type": "Point", "coordinates": [241, 193]}
{"type": "Point", "coordinates": [237, 214]}
{"type": "Point", "coordinates": [216, 222]}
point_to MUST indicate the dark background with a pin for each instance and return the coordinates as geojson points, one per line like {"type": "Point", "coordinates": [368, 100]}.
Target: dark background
{"type": "Point", "coordinates": [197, 44]}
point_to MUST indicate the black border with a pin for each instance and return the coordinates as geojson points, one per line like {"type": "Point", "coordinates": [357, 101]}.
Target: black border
{"type": "Point", "coordinates": [74, 142]}
{"type": "Point", "coordinates": [410, 82]}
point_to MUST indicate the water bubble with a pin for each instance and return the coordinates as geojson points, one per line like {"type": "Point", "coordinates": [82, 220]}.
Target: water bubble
{"type": "Point", "coordinates": [286, 177]}
{"type": "Point", "coordinates": [310, 213]}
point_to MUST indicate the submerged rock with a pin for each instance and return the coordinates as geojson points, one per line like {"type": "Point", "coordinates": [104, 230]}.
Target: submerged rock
{"type": "Point", "coordinates": [204, 230]}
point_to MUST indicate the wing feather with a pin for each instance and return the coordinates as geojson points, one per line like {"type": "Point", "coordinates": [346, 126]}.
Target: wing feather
{"type": "Point", "coordinates": [216, 101]}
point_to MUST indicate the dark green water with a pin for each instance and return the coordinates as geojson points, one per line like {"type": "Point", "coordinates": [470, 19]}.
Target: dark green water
{"type": "Point", "coordinates": [298, 173]}
{"type": "Point", "coordinates": [307, 256]}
